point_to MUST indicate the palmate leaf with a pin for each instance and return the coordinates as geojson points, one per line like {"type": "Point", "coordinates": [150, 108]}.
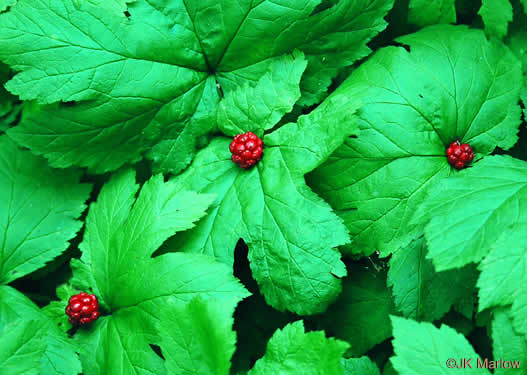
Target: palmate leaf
{"type": "Point", "coordinates": [453, 84]}
{"type": "Point", "coordinates": [296, 270]}
{"type": "Point", "coordinates": [122, 232]}
{"type": "Point", "coordinates": [38, 210]}
{"type": "Point", "coordinates": [421, 348]}
{"type": "Point", "coordinates": [54, 353]}
{"type": "Point", "coordinates": [116, 69]}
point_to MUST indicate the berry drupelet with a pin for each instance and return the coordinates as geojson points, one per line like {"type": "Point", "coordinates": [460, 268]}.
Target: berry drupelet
{"type": "Point", "coordinates": [459, 155]}
{"type": "Point", "coordinates": [246, 149]}
{"type": "Point", "coordinates": [83, 308]}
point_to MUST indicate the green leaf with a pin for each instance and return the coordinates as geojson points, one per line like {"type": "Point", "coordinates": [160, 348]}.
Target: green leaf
{"type": "Point", "coordinates": [177, 151]}
{"type": "Point", "coordinates": [502, 274]}
{"type": "Point", "coordinates": [360, 315]}
{"type": "Point", "coordinates": [4, 4]}
{"type": "Point", "coordinates": [122, 232]}
{"type": "Point", "coordinates": [419, 291]}
{"type": "Point", "coordinates": [425, 13]}
{"type": "Point", "coordinates": [9, 108]}
{"type": "Point", "coordinates": [59, 356]}
{"type": "Point", "coordinates": [507, 344]}
{"type": "Point", "coordinates": [198, 338]}
{"type": "Point", "coordinates": [517, 42]}
{"type": "Point", "coordinates": [255, 323]}
{"type": "Point", "coordinates": [259, 108]}
{"type": "Point", "coordinates": [459, 322]}
{"type": "Point", "coordinates": [21, 348]}
{"type": "Point", "coordinates": [488, 195]}
{"type": "Point", "coordinates": [114, 70]}
{"type": "Point", "coordinates": [297, 271]}
{"type": "Point", "coordinates": [453, 83]}
{"type": "Point", "coordinates": [421, 348]}
{"type": "Point", "coordinates": [292, 351]}
{"type": "Point", "coordinates": [496, 16]}
{"type": "Point", "coordinates": [39, 210]}
{"type": "Point", "coordinates": [362, 366]}
{"type": "Point", "coordinates": [5, 97]}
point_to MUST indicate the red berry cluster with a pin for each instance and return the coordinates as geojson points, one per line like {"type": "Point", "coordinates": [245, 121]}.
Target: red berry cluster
{"type": "Point", "coordinates": [246, 149]}
{"type": "Point", "coordinates": [459, 155]}
{"type": "Point", "coordinates": [83, 308]}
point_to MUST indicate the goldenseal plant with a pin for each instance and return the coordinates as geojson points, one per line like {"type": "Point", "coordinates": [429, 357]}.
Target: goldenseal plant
{"type": "Point", "coordinates": [319, 187]}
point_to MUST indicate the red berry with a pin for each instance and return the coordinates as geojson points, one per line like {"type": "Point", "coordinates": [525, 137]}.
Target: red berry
{"type": "Point", "coordinates": [246, 149]}
{"type": "Point", "coordinates": [83, 308]}
{"type": "Point", "coordinates": [459, 155]}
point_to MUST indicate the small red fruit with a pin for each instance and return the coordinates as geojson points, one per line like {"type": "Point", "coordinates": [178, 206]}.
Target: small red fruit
{"type": "Point", "coordinates": [459, 155]}
{"type": "Point", "coordinates": [246, 149]}
{"type": "Point", "coordinates": [83, 308]}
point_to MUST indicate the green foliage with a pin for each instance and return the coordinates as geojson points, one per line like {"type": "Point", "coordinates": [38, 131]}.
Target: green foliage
{"type": "Point", "coordinates": [419, 291]}
{"type": "Point", "coordinates": [117, 69]}
{"type": "Point", "coordinates": [453, 84]}
{"type": "Point", "coordinates": [361, 314]}
{"type": "Point", "coordinates": [39, 210]}
{"type": "Point", "coordinates": [420, 348]}
{"type": "Point", "coordinates": [425, 13]}
{"type": "Point", "coordinates": [292, 351]}
{"type": "Point", "coordinates": [351, 247]}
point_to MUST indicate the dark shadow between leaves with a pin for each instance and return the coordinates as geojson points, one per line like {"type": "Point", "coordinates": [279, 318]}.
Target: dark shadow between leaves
{"type": "Point", "coordinates": [157, 350]}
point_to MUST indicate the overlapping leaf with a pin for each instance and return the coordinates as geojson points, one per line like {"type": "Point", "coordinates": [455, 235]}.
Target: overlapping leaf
{"type": "Point", "coordinates": [22, 347]}
{"type": "Point", "coordinates": [6, 100]}
{"type": "Point", "coordinates": [518, 45]}
{"type": "Point", "coordinates": [422, 348]}
{"type": "Point", "coordinates": [425, 13]}
{"type": "Point", "coordinates": [154, 80]}
{"type": "Point", "coordinates": [360, 315]}
{"type": "Point", "coordinates": [122, 233]}
{"type": "Point", "coordinates": [419, 291]}
{"type": "Point", "coordinates": [363, 366]}
{"type": "Point", "coordinates": [39, 209]}
{"type": "Point", "coordinates": [507, 344]}
{"type": "Point", "coordinates": [42, 347]}
{"type": "Point", "coordinates": [496, 16]}
{"type": "Point", "coordinates": [453, 84]}
{"type": "Point", "coordinates": [296, 270]}
{"type": "Point", "coordinates": [198, 339]}
{"type": "Point", "coordinates": [492, 197]}
{"type": "Point", "coordinates": [502, 274]}
{"type": "Point", "coordinates": [292, 351]}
